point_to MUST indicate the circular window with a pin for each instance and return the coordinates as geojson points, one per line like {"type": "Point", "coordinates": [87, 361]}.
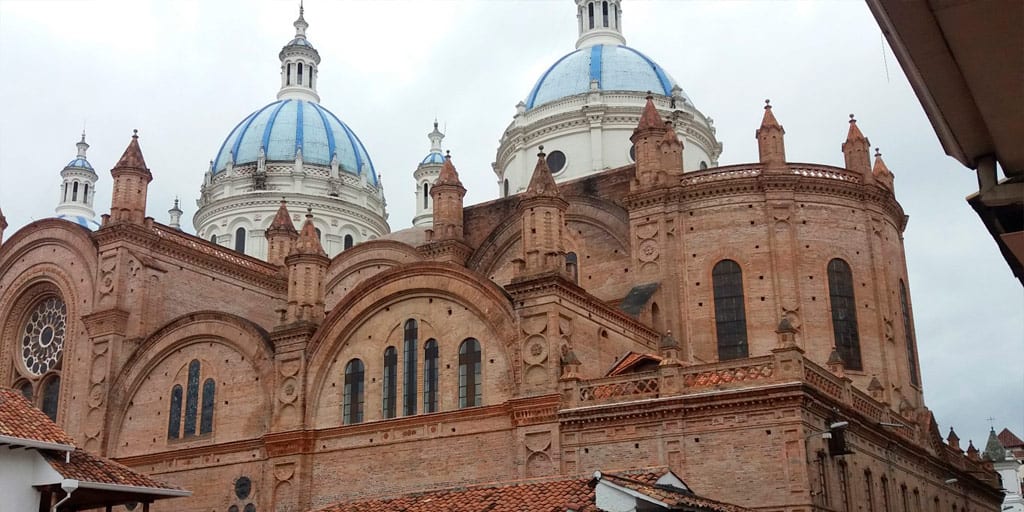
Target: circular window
{"type": "Point", "coordinates": [233, 508]}
{"type": "Point", "coordinates": [42, 340]}
{"type": "Point", "coordinates": [632, 153]}
{"type": "Point", "coordinates": [556, 161]}
{"type": "Point", "coordinates": [243, 486]}
{"type": "Point", "coordinates": [249, 507]}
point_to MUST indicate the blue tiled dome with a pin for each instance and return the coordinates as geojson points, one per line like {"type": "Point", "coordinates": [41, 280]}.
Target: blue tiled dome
{"type": "Point", "coordinates": [85, 222]}
{"type": "Point", "coordinates": [433, 158]}
{"type": "Point", "coordinates": [286, 125]}
{"type": "Point", "coordinates": [80, 163]}
{"type": "Point", "coordinates": [615, 67]}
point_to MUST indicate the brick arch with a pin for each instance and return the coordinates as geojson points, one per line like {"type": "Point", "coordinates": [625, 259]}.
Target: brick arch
{"type": "Point", "coordinates": [483, 299]}
{"type": "Point", "coordinates": [233, 332]}
{"type": "Point", "coordinates": [599, 213]}
{"type": "Point", "coordinates": [353, 266]}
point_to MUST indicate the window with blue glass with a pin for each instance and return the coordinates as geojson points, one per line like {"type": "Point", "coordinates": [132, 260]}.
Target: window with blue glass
{"type": "Point", "coordinates": [431, 357]}
{"type": "Point", "coordinates": [844, 313]}
{"type": "Point", "coordinates": [389, 382]}
{"type": "Point", "coordinates": [409, 395]}
{"type": "Point", "coordinates": [730, 313]}
{"type": "Point", "coordinates": [192, 405]}
{"type": "Point", "coordinates": [352, 401]}
{"type": "Point", "coordinates": [470, 393]}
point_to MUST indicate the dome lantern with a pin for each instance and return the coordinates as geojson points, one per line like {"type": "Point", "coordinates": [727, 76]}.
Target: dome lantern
{"type": "Point", "coordinates": [600, 22]}
{"type": "Point", "coordinates": [77, 190]}
{"type": "Point", "coordinates": [299, 61]}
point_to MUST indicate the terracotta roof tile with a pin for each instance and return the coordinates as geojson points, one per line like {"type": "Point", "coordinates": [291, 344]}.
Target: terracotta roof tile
{"type": "Point", "coordinates": [87, 467]}
{"type": "Point", "coordinates": [18, 418]}
{"type": "Point", "coordinates": [132, 156]}
{"type": "Point", "coordinates": [646, 483]}
{"type": "Point", "coordinates": [630, 361]}
{"type": "Point", "coordinates": [1009, 439]}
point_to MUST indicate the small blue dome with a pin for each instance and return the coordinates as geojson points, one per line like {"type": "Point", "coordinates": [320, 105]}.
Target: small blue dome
{"type": "Point", "coordinates": [85, 222]}
{"type": "Point", "coordinates": [286, 125]}
{"type": "Point", "coordinates": [615, 67]}
{"type": "Point", "coordinates": [433, 158]}
{"type": "Point", "coordinates": [80, 163]}
{"type": "Point", "coordinates": [299, 41]}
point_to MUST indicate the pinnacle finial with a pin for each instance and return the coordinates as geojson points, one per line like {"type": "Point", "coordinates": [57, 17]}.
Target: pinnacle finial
{"type": "Point", "coordinates": [540, 150]}
{"type": "Point", "coordinates": [853, 119]}
{"type": "Point", "coordinates": [448, 154]}
{"type": "Point", "coordinates": [83, 134]}
{"type": "Point", "coordinates": [767, 104]}
{"type": "Point", "coordinates": [135, 133]}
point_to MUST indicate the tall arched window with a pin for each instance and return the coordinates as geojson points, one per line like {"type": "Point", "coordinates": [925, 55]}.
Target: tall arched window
{"type": "Point", "coordinates": [300, 74]}
{"type": "Point", "coordinates": [409, 394]}
{"type": "Point", "coordinates": [288, 75]}
{"type": "Point", "coordinates": [886, 499]}
{"type": "Point", "coordinates": [192, 398]}
{"type": "Point", "coordinates": [352, 407]}
{"type": "Point", "coordinates": [25, 388]}
{"type": "Point", "coordinates": [590, 13]}
{"type": "Point", "coordinates": [572, 266]}
{"type": "Point", "coordinates": [174, 418]}
{"type": "Point", "coordinates": [206, 416]}
{"type": "Point", "coordinates": [65, 191]}
{"type": "Point", "coordinates": [85, 194]}
{"type": "Point", "coordinates": [213, 238]}
{"type": "Point", "coordinates": [730, 314]}
{"type": "Point", "coordinates": [505, 185]}
{"type": "Point", "coordinates": [51, 397]}
{"type": "Point", "coordinates": [908, 332]}
{"type": "Point", "coordinates": [469, 374]}
{"type": "Point", "coordinates": [604, 12]}
{"type": "Point", "coordinates": [426, 195]}
{"type": "Point", "coordinates": [389, 383]}
{"type": "Point", "coordinates": [74, 192]}
{"type": "Point", "coordinates": [844, 313]}
{"type": "Point", "coordinates": [656, 320]}
{"type": "Point", "coordinates": [823, 479]}
{"type": "Point", "coordinates": [844, 487]}
{"type": "Point", "coordinates": [869, 491]}
{"type": "Point", "coordinates": [240, 240]}
{"type": "Point", "coordinates": [430, 375]}
{"type": "Point", "coordinates": [348, 241]}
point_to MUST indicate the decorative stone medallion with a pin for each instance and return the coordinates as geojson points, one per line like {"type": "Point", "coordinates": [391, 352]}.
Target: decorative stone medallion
{"type": "Point", "coordinates": [42, 340]}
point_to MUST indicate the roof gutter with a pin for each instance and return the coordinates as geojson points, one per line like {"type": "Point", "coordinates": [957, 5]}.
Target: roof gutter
{"type": "Point", "coordinates": [157, 491]}
{"type": "Point", "coordinates": [32, 443]}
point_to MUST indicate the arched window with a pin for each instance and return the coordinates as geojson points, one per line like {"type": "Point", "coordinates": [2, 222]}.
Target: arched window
{"type": "Point", "coordinates": [192, 398]}
{"type": "Point", "coordinates": [213, 238]}
{"type": "Point", "coordinates": [288, 75]}
{"type": "Point", "coordinates": [469, 374]}
{"type": "Point", "coordinates": [604, 11]}
{"type": "Point", "coordinates": [908, 332]}
{"type": "Point", "coordinates": [572, 266]}
{"type": "Point", "coordinates": [240, 240]}
{"type": "Point", "coordinates": [174, 418]}
{"type": "Point", "coordinates": [74, 192]}
{"type": "Point", "coordinates": [430, 374]}
{"type": "Point", "coordinates": [615, 16]}
{"type": "Point", "coordinates": [25, 388]}
{"type": "Point", "coordinates": [348, 241]}
{"type": "Point", "coordinates": [300, 82]}
{"type": "Point", "coordinates": [590, 13]}
{"type": "Point", "coordinates": [505, 185]}
{"type": "Point", "coordinates": [409, 394]}
{"type": "Point", "coordinates": [823, 478]}
{"type": "Point", "coordinates": [844, 313]}
{"type": "Point", "coordinates": [426, 195]}
{"type": "Point", "coordinates": [904, 498]}
{"type": "Point", "coordinates": [844, 487]}
{"type": "Point", "coordinates": [206, 417]}
{"type": "Point", "coordinates": [703, 165]}
{"type": "Point", "coordinates": [886, 499]}
{"type": "Point", "coordinates": [352, 407]}
{"type": "Point", "coordinates": [51, 397]}
{"type": "Point", "coordinates": [65, 191]}
{"type": "Point", "coordinates": [656, 320]}
{"type": "Point", "coordinates": [319, 235]}
{"type": "Point", "coordinates": [85, 194]}
{"type": "Point", "coordinates": [730, 314]}
{"type": "Point", "coordinates": [869, 491]}
{"type": "Point", "coordinates": [389, 383]}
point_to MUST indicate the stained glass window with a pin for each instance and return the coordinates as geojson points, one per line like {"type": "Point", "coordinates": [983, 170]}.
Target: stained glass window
{"type": "Point", "coordinates": [42, 339]}
{"type": "Point", "coordinates": [389, 383]}
{"type": "Point", "coordinates": [730, 313]}
{"type": "Point", "coordinates": [206, 420]}
{"type": "Point", "coordinates": [430, 375]}
{"type": "Point", "coordinates": [174, 417]}
{"type": "Point", "coordinates": [908, 331]}
{"type": "Point", "coordinates": [844, 313]}
{"type": "Point", "coordinates": [352, 408]}
{"type": "Point", "coordinates": [409, 395]}
{"type": "Point", "coordinates": [51, 396]}
{"type": "Point", "coordinates": [469, 374]}
{"type": "Point", "coordinates": [192, 398]}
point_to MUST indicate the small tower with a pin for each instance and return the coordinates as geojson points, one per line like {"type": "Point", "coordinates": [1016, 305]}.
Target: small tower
{"type": "Point", "coordinates": [131, 184]}
{"type": "Point", "coordinates": [77, 189]}
{"type": "Point", "coordinates": [307, 264]}
{"type": "Point", "coordinates": [447, 194]}
{"type": "Point", "coordinates": [426, 173]}
{"type": "Point", "coordinates": [659, 152]}
{"type": "Point", "coordinates": [542, 212]}
{"type": "Point", "coordinates": [281, 236]}
{"type": "Point", "coordinates": [881, 173]}
{"type": "Point", "coordinates": [600, 22]}
{"type": "Point", "coordinates": [175, 216]}
{"type": "Point", "coordinates": [855, 151]}
{"type": "Point", "coordinates": [771, 148]}
{"type": "Point", "coordinates": [953, 440]}
{"type": "Point", "coordinates": [299, 61]}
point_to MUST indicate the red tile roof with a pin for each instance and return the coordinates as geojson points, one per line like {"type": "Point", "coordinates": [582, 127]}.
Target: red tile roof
{"type": "Point", "coordinates": [18, 418]}
{"type": "Point", "coordinates": [630, 361]}
{"type": "Point", "coordinates": [646, 483]}
{"type": "Point", "coordinates": [86, 467]}
{"type": "Point", "coordinates": [1009, 439]}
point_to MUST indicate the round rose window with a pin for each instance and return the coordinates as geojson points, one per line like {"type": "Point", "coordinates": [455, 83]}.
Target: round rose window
{"type": "Point", "coordinates": [43, 338]}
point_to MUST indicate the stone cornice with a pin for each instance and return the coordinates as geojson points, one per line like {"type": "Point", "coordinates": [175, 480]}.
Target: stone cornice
{"type": "Point", "coordinates": [165, 457]}
{"type": "Point", "coordinates": [270, 200]}
{"type": "Point", "coordinates": [186, 248]}
{"type": "Point", "coordinates": [107, 322]}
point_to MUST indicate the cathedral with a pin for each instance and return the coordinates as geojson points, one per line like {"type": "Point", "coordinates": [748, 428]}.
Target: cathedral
{"type": "Point", "coordinates": [625, 302]}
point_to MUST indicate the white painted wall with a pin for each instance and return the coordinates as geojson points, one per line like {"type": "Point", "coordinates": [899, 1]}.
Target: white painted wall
{"type": "Point", "coordinates": [20, 469]}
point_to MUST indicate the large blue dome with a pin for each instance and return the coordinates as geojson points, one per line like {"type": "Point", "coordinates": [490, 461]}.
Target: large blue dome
{"type": "Point", "coordinates": [286, 125]}
{"type": "Point", "coordinates": [615, 67]}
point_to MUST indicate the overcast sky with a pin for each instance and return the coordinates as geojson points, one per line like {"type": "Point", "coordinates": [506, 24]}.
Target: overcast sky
{"type": "Point", "coordinates": [185, 72]}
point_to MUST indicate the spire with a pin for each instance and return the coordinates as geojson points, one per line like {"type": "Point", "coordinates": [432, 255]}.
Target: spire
{"type": "Point", "coordinates": [953, 440]}
{"type": "Point", "coordinates": [280, 235]}
{"type": "Point", "coordinates": [300, 24]}
{"type": "Point", "coordinates": [175, 214]}
{"type": "Point", "coordinates": [299, 61]}
{"type": "Point", "coordinates": [435, 139]}
{"type": "Point", "coordinates": [446, 197]}
{"type": "Point", "coordinates": [855, 150]}
{"type": "Point", "coordinates": [994, 450]}
{"type": "Point", "coordinates": [132, 156]}
{"type": "Point", "coordinates": [650, 119]}
{"type": "Point", "coordinates": [599, 23]}
{"type": "Point", "coordinates": [658, 154]}
{"type": "Point", "coordinates": [542, 183]}
{"type": "Point", "coordinates": [770, 145]}
{"type": "Point", "coordinates": [83, 146]}
{"type": "Point", "coordinates": [131, 183]}
{"type": "Point", "coordinates": [972, 452]}
{"type": "Point", "coordinates": [309, 240]}
{"type": "Point", "coordinates": [448, 175]}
